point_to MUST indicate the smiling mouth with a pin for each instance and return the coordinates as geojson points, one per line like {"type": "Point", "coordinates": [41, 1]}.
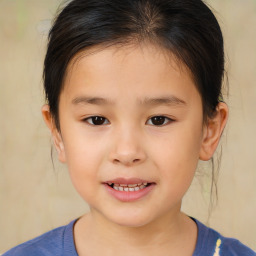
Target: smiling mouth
{"type": "Point", "coordinates": [129, 187]}
{"type": "Point", "coordinates": [129, 190]}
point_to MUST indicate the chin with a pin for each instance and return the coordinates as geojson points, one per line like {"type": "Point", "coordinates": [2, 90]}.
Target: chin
{"type": "Point", "coordinates": [130, 220]}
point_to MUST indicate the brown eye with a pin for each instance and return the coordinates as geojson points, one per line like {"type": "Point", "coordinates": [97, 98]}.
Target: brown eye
{"type": "Point", "coordinates": [159, 120]}
{"type": "Point", "coordinates": [96, 120]}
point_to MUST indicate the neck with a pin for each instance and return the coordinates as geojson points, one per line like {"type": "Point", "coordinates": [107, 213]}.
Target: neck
{"type": "Point", "coordinates": [170, 232]}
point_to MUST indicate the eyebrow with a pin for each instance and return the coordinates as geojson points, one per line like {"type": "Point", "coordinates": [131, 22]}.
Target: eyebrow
{"type": "Point", "coordinates": [170, 100]}
{"type": "Point", "coordinates": [166, 100]}
{"type": "Point", "coordinates": [92, 100]}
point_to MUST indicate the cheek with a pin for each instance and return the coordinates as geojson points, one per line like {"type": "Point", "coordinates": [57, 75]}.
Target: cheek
{"type": "Point", "coordinates": [178, 157]}
{"type": "Point", "coordinates": [180, 147]}
{"type": "Point", "coordinates": [84, 151]}
{"type": "Point", "coordinates": [84, 158]}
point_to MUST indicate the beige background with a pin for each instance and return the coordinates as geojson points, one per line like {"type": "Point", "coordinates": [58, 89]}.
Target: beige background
{"type": "Point", "coordinates": [34, 197]}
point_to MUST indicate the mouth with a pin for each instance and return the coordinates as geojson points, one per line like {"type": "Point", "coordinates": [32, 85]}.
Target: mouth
{"type": "Point", "coordinates": [128, 190]}
{"type": "Point", "coordinates": [129, 187]}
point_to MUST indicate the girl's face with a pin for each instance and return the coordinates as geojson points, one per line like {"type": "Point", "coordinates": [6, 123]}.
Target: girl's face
{"type": "Point", "coordinates": [130, 115]}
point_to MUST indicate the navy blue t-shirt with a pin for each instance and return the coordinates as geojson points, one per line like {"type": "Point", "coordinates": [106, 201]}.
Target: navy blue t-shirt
{"type": "Point", "coordinates": [60, 242]}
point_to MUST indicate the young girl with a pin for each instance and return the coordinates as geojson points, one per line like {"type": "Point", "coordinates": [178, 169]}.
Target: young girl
{"type": "Point", "coordinates": [134, 102]}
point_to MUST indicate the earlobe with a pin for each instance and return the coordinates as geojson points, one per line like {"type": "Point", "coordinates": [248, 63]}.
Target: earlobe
{"type": "Point", "coordinates": [56, 136]}
{"type": "Point", "coordinates": [213, 131]}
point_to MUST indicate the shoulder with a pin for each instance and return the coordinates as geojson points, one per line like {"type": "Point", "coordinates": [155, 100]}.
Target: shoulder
{"type": "Point", "coordinates": [233, 247]}
{"type": "Point", "coordinates": [54, 242]}
{"type": "Point", "coordinates": [212, 243]}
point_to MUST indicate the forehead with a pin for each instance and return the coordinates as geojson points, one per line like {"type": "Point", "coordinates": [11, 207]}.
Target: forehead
{"type": "Point", "coordinates": [125, 54]}
{"type": "Point", "coordinates": [141, 69]}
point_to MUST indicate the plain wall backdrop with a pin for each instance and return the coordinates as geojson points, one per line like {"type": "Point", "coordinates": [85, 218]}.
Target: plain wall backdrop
{"type": "Point", "coordinates": [35, 197]}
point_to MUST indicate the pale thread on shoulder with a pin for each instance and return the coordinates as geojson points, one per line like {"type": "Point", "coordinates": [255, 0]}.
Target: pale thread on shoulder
{"type": "Point", "coordinates": [217, 248]}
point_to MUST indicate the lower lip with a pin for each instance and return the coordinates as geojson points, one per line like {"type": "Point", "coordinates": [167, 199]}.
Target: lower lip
{"type": "Point", "coordinates": [129, 196]}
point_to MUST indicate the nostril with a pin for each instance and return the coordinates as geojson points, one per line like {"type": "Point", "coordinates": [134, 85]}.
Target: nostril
{"type": "Point", "coordinates": [116, 161]}
{"type": "Point", "coordinates": [126, 161]}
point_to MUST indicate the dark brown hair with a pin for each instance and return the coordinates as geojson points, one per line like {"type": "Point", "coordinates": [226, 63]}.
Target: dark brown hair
{"type": "Point", "coordinates": [187, 28]}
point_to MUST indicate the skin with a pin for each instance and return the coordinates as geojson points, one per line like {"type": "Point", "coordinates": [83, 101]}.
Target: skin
{"type": "Point", "coordinates": [128, 144]}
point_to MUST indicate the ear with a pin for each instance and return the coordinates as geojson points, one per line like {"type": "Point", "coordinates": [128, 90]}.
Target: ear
{"type": "Point", "coordinates": [57, 139]}
{"type": "Point", "coordinates": [212, 132]}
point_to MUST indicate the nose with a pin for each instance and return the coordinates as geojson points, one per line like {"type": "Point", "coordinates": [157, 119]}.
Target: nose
{"type": "Point", "coordinates": [127, 148]}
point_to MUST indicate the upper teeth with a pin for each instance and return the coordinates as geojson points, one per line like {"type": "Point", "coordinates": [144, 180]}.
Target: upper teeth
{"type": "Point", "coordinates": [129, 187]}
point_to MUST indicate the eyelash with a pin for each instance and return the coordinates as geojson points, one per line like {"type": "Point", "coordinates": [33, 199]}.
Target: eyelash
{"type": "Point", "coordinates": [167, 120]}
{"type": "Point", "coordinates": [91, 117]}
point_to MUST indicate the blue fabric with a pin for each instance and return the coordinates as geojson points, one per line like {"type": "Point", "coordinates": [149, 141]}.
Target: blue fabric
{"type": "Point", "coordinates": [211, 243]}
{"type": "Point", "coordinates": [60, 242]}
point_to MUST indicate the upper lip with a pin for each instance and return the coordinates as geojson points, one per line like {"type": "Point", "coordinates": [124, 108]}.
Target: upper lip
{"type": "Point", "coordinates": [127, 181]}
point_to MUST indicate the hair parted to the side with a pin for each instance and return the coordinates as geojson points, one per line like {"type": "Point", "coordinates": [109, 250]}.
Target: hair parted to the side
{"type": "Point", "coordinates": [186, 28]}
